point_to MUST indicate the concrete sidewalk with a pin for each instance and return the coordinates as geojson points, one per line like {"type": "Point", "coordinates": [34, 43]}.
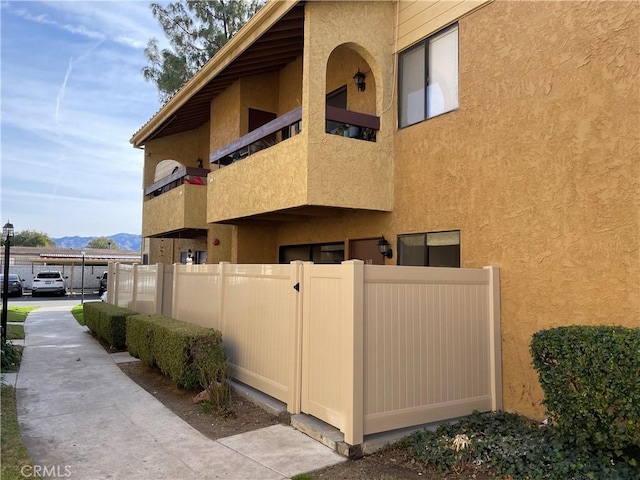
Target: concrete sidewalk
{"type": "Point", "coordinates": [82, 418]}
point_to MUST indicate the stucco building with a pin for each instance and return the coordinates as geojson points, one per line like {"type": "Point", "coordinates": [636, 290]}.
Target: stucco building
{"type": "Point", "coordinates": [481, 132]}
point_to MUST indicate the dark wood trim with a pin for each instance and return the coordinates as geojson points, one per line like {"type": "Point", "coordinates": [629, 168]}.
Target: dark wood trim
{"type": "Point", "coordinates": [178, 175]}
{"type": "Point", "coordinates": [267, 129]}
{"type": "Point", "coordinates": [335, 114]}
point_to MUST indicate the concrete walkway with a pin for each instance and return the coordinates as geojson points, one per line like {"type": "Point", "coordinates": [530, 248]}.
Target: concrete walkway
{"type": "Point", "coordinates": [82, 417]}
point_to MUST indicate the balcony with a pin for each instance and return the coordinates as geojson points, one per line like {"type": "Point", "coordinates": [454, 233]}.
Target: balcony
{"type": "Point", "coordinates": [271, 133]}
{"type": "Point", "coordinates": [297, 172]}
{"type": "Point", "coordinates": [175, 205]}
{"type": "Point", "coordinates": [184, 175]}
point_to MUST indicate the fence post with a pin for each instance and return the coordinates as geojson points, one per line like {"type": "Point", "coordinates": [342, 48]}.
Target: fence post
{"type": "Point", "coordinates": [295, 382]}
{"type": "Point", "coordinates": [495, 337]}
{"type": "Point", "coordinates": [353, 281]}
{"type": "Point", "coordinates": [133, 305]}
{"type": "Point", "coordinates": [159, 288]}
{"type": "Point", "coordinates": [113, 277]}
{"type": "Point", "coordinates": [174, 291]}
{"type": "Point", "coordinates": [222, 273]}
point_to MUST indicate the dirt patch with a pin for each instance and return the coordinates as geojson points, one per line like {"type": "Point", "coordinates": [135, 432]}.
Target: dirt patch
{"type": "Point", "coordinates": [243, 416]}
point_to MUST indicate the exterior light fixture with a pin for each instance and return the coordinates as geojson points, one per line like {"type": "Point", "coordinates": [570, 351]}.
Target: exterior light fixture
{"type": "Point", "coordinates": [7, 233]}
{"type": "Point", "coordinates": [358, 79]}
{"type": "Point", "coordinates": [384, 248]}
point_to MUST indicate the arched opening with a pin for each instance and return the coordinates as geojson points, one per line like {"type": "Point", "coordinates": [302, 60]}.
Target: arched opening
{"type": "Point", "coordinates": [166, 168]}
{"type": "Point", "coordinates": [350, 95]}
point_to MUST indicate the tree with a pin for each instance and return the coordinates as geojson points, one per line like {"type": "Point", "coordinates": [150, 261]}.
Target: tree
{"type": "Point", "coordinates": [31, 238]}
{"type": "Point", "coordinates": [196, 30]}
{"type": "Point", "coordinates": [102, 242]}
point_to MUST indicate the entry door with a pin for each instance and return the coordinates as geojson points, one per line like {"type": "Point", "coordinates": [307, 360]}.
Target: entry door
{"type": "Point", "coordinates": [366, 250]}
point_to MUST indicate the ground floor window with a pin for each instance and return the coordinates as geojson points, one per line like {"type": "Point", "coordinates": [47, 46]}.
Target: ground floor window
{"type": "Point", "coordinates": [317, 253]}
{"type": "Point", "coordinates": [432, 249]}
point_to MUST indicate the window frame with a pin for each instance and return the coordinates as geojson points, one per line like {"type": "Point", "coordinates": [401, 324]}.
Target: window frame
{"type": "Point", "coordinates": [311, 247]}
{"type": "Point", "coordinates": [424, 43]}
{"type": "Point", "coordinates": [426, 246]}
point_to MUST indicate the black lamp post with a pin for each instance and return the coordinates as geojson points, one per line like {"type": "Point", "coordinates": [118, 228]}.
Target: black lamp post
{"type": "Point", "coordinates": [7, 233]}
{"type": "Point", "coordinates": [82, 280]}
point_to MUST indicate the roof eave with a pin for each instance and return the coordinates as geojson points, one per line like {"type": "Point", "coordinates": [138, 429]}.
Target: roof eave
{"type": "Point", "coordinates": [266, 17]}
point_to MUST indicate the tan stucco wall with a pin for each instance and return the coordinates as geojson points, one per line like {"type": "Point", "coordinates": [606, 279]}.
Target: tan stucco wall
{"type": "Point", "coordinates": [225, 117]}
{"type": "Point", "coordinates": [183, 207]}
{"type": "Point", "coordinates": [346, 172]}
{"type": "Point", "coordinates": [185, 147]}
{"type": "Point", "coordinates": [416, 20]}
{"type": "Point", "coordinates": [259, 92]}
{"type": "Point", "coordinates": [254, 244]}
{"type": "Point", "coordinates": [342, 65]}
{"type": "Point", "coordinates": [266, 181]}
{"type": "Point", "coordinates": [538, 169]}
{"type": "Point", "coordinates": [167, 250]}
{"type": "Point", "coordinates": [290, 86]}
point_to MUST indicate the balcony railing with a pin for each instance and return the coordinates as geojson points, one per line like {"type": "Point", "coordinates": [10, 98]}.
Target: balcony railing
{"type": "Point", "coordinates": [346, 123]}
{"type": "Point", "coordinates": [183, 175]}
{"type": "Point", "coordinates": [267, 135]}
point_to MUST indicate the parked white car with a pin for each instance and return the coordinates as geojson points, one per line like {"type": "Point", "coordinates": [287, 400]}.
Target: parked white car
{"type": "Point", "coordinates": [48, 282]}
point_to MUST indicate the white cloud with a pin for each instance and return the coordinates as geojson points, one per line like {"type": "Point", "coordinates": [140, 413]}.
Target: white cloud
{"type": "Point", "coordinates": [72, 96]}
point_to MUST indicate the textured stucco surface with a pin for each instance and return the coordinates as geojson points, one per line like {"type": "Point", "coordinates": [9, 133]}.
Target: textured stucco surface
{"type": "Point", "coordinates": [185, 147]}
{"type": "Point", "coordinates": [183, 207]}
{"type": "Point", "coordinates": [538, 168]}
{"type": "Point", "coordinates": [344, 36]}
{"type": "Point", "coordinates": [266, 181]}
{"type": "Point", "coordinates": [225, 118]}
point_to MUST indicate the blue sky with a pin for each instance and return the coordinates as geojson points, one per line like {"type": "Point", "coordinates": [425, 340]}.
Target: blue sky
{"type": "Point", "coordinates": [72, 95]}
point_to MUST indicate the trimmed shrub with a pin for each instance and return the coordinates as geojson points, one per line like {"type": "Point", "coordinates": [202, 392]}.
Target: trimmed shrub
{"type": "Point", "coordinates": [171, 345]}
{"type": "Point", "coordinates": [107, 322]}
{"type": "Point", "coordinates": [591, 380]}
{"type": "Point", "coordinates": [214, 373]}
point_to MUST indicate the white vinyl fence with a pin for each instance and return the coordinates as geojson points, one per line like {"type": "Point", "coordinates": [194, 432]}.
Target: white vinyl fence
{"type": "Point", "coordinates": [365, 348]}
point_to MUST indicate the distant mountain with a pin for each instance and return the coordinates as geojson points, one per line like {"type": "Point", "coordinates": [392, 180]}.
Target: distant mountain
{"type": "Point", "coordinates": [125, 241]}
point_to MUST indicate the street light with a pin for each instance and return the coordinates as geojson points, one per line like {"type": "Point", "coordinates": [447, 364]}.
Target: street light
{"type": "Point", "coordinates": [7, 233]}
{"type": "Point", "coordinates": [82, 281]}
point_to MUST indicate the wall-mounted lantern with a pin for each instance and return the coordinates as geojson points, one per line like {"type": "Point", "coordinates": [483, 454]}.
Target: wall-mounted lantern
{"type": "Point", "coordinates": [358, 79]}
{"type": "Point", "coordinates": [384, 248]}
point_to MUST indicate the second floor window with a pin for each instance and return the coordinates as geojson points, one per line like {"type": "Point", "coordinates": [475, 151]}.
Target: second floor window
{"type": "Point", "coordinates": [428, 78]}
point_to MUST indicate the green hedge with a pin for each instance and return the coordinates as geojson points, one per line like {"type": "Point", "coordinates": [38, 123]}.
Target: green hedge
{"type": "Point", "coordinates": [591, 380]}
{"type": "Point", "coordinates": [174, 347]}
{"type": "Point", "coordinates": [108, 322]}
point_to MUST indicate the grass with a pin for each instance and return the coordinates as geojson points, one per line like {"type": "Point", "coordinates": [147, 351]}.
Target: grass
{"type": "Point", "coordinates": [18, 314]}
{"type": "Point", "coordinates": [15, 332]}
{"type": "Point", "coordinates": [14, 454]}
{"type": "Point", "coordinates": [78, 313]}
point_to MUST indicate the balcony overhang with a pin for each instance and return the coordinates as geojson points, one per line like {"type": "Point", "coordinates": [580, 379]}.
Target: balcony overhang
{"type": "Point", "coordinates": [188, 233]}
{"type": "Point", "coordinates": [295, 214]}
{"type": "Point", "coordinates": [270, 40]}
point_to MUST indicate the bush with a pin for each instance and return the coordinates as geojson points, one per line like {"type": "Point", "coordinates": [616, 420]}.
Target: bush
{"type": "Point", "coordinates": [108, 322]}
{"type": "Point", "coordinates": [591, 380]}
{"type": "Point", "coordinates": [10, 355]}
{"type": "Point", "coordinates": [178, 349]}
{"type": "Point", "coordinates": [506, 445]}
{"type": "Point", "coordinates": [214, 374]}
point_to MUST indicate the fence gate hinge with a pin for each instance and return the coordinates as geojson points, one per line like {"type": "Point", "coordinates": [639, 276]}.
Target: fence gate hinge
{"type": "Point", "coordinates": [297, 287]}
